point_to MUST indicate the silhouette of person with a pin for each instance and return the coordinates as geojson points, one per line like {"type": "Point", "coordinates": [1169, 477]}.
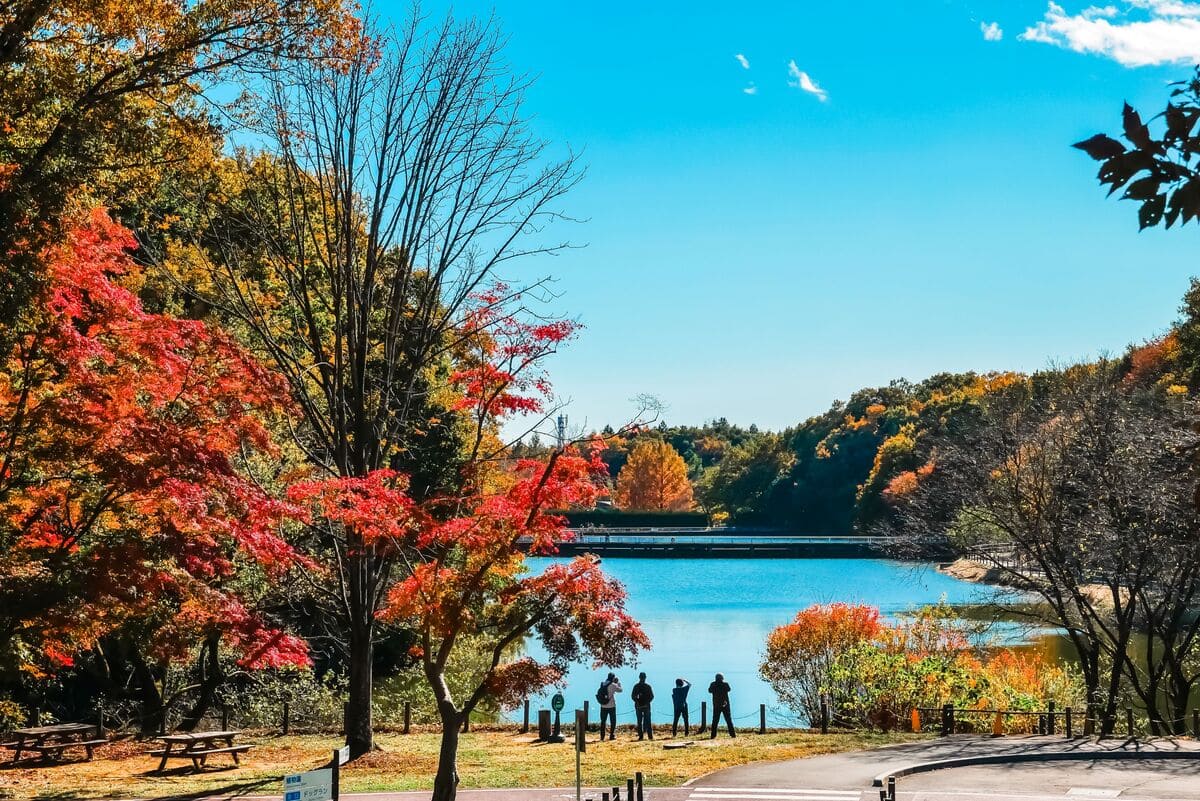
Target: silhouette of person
{"type": "Point", "coordinates": [608, 708]}
{"type": "Point", "coordinates": [679, 699]}
{"type": "Point", "coordinates": [642, 694]}
{"type": "Point", "coordinates": [719, 690]}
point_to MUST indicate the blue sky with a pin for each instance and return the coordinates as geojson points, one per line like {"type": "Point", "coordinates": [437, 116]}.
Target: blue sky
{"type": "Point", "coordinates": [756, 256]}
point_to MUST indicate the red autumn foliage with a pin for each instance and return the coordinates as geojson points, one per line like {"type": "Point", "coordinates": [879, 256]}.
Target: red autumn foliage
{"type": "Point", "coordinates": [121, 496]}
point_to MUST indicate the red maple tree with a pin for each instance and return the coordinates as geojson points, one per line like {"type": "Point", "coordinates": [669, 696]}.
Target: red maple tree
{"type": "Point", "coordinates": [122, 494]}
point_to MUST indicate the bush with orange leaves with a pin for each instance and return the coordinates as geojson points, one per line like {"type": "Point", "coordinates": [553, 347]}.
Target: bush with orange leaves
{"type": "Point", "coordinates": [874, 674]}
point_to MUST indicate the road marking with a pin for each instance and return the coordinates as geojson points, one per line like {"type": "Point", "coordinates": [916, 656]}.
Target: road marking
{"type": "Point", "coordinates": [771, 794]}
{"type": "Point", "coordinates": [1094, 792]}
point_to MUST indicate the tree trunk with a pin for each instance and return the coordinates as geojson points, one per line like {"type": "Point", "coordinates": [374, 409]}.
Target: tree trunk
{"type": "Point", "coordinates": [358, 708]}
{"type": "Point", "coordinates": [445, 784]}
{"type": "Point", "coordinates": [211, 678]}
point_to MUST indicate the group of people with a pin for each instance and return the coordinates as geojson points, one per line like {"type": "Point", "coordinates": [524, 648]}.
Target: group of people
{"type": "Point", "coordinates": [642, 695]}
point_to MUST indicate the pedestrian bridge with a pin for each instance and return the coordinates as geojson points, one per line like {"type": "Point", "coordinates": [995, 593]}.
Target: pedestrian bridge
{"type": "Point", "coordinates": [713, 542]}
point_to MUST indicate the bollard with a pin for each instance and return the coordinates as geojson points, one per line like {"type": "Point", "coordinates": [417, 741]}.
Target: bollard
{"type": "Point", "coordinates": [286, 718]}
{"type": "Point", "coordinates": [604, 796]}
{"type": "Point", "coordinates": [762, 718]}
{"type": "Point", "coordinates": [638, 775]}
{"type": "Point", "coordinates": [543, 724]}
{"type": "Point", "coordinates": [224, 717]}
{"type": "Point", "coordinates": [1129, 720]}
{"type": "Point", "coordinates": [1067, 722]}
{"type": "Point", "coordinates": [891, 788]}
{"type": "Point", "coordinates": [703, 715]}
{"type": "Point", "coordinates": [1050, 718]}
{"type": "Point", "coordinates": [616, 794]}
{"type": "Point", "coordinates": [525, 724]}
{"type": "Point", "coordinates": [824, 715]}
{"type": "Point", "coordinates": [629, 790]}
{"type": "Point", "coordinates": [408, 716]}
{"type": "Point", "coordinates": [947, 719]}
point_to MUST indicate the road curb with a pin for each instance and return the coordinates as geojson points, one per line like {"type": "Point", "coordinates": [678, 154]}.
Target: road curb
{"type": "Point", "coordinates": [1042, 756]}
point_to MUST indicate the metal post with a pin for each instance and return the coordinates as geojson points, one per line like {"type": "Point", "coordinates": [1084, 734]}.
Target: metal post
{"type": "Point", "coordinates": [408, 716]}
{"type": "Point", "coordinates": [629, 790]}
{"type": "Point", "coordinates": [604, 796]}
{"type": "Point", "coordinates": [616, 794]}
{"type": "Point", "coordinates": [337, 770]}
{"type": "Point", "coordinates": [1129, 720]}
{"type": "Point", "coordinates": [638, 775]}
{"type": "Point", "coordinates": [1050, 720]}
{"type": "Point", "coordinates": [1067, 722]}
{"type": "Point", "coordinates": [947, 719]}
{"type": "Point", "coordinates": [703, 715]}
{"type": "Point", "coordinates": [824, 715]}
{"type": "Point", "coordinates": [762, 718]}
{"type": "Point", "coordinates": [586, 716]}
{"type": "Point", "coordinates": [891, 788]}
{"type": "Point", "coordinates": [525, 725]}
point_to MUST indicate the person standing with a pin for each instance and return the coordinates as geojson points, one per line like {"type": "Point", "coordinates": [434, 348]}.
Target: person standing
{"type": "Point", "coordinates": [642, 694]}
{"type": "Point", "coordinates": [719, 690]}
{"type": "Point", "coordinates": [608, 705]}
{"type": "Point", "coordinates": [679, 700]}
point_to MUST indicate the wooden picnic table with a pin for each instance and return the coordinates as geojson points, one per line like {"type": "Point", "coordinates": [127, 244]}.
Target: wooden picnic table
{"type": "Point", "coordinates": [51, 741]}
{"type": "Point", "coordinates": [198, 747]}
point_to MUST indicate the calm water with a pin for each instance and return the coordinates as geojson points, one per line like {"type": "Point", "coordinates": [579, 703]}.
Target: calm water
{"type": "Point", "coordinates": [705, 616]}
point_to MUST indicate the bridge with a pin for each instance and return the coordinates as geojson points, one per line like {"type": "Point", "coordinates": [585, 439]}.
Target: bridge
{"type": "Point", "coordinates": [718, 542]}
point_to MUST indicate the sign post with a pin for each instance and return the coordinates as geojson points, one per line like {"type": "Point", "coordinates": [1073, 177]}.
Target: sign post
{"type": "Point", "coordinates": [317, 785]}
{"type": "Point", "coordinates": [557, 703]}
{"type": "Point", "coordinates": [580, 747]}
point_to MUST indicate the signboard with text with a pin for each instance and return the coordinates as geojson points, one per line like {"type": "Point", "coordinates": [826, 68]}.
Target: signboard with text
{"type": "Point", "coordinates": [313, 785]}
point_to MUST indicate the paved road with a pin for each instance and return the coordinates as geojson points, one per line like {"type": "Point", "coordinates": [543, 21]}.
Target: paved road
{"type": "Point", "coordinates": [849, 776]}
{"type": "Point", "coordinates": [838, 777]}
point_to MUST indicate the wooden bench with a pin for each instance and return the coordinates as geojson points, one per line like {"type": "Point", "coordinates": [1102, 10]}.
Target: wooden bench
{"type": "Point", "coordinates": [198, 747]}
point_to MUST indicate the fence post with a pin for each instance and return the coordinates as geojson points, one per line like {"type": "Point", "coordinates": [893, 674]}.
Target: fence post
{"type": "Point", "coordinates": [224, 717]}
{"type": "Point", "coordinates": [407, 717]}
{"type": "Point", "coordinates": [287, 722]}
{"type": "Point", "coordinates": [762, 718]}
{"type": "Point", "coordinates": [1129, 720]}
{"type": "Point", "coordinates": [525, 724]}
{"type": "Point", "coordinates": [1067, 722]}
{"type": "Point", "coordinates": [1050, 721]}
{"type": "Point", "coordinates": [587, 718]}
{"type": "Point", "coordinates": [947, 719]}
{"type": "Point", "coordinates": [703, 715]}
{"type": "Point", "coordinates": [36, 717]}
{"type": "Point", "coordinates": [824, 715]}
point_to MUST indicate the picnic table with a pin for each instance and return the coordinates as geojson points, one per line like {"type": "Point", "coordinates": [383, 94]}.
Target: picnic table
{"type": "Point", "coordinates": [51, 741]}
{"type": "Point", "coordinates": [198, 747]}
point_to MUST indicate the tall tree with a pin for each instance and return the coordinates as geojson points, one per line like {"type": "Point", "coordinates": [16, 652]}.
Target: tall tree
{"type": "Point", "coordinates": [655, 479]}
{"type": "Point", "coordinates": [361, 261]}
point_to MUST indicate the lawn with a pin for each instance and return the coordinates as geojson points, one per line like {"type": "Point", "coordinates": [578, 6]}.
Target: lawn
{"type": "Point", "coordinates": [407, 762]}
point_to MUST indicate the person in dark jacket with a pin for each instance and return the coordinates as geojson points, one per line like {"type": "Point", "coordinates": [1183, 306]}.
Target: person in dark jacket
{"type": "Point", "coordinates": [679, 700]}
{"type": "Point", "coordinates": [719, 690]}
{"type": "Point", "coordinates": [641, 695]}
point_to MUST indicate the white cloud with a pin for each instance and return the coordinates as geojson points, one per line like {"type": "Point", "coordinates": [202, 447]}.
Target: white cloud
{"type": "Point", "coordinates": [1142, 33]}
{"type": "Point", "coordinates": [745, 62]}
{"type": "Point", "coordinates": [798, 79]}
{"type": "Point", "coordinates": [992, 31]}
{"type": "Point", "coordinates": [751, 89]}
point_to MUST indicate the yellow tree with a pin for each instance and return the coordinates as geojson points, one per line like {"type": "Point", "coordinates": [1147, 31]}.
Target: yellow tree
{"type": "Point", "coordinates": [654, 479]}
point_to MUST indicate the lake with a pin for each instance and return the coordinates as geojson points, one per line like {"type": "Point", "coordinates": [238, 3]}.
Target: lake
{"type": "Point", "coordinates": [705, 616]}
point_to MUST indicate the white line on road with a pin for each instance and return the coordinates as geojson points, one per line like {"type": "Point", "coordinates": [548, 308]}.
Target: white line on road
{"type": "Point", "coordinates": [785, 790]}
{"type": "Point", "coordinates": [777, 795]}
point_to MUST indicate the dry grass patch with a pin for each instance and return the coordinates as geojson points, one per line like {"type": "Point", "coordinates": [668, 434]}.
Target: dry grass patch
{"type": "Point", "coordinates": [486, 759]}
